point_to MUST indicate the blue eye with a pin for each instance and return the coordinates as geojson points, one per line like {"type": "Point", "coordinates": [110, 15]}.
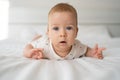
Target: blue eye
{"type": "Point", "coordinates": [69, 28]}
{"type": "Point", "coordinates": [56, 28]}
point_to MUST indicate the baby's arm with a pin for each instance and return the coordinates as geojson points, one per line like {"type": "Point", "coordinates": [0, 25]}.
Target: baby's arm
{"type": "Point", "coordinates": [30, 52]}
{"type": "Point", "coordinates": [95, 52]}
{"type": "Point", "coordinates": [36, 37]}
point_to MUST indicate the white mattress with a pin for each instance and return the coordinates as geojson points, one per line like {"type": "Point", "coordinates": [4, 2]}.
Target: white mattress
{"type": "Point", "coordinates": [13, 66]}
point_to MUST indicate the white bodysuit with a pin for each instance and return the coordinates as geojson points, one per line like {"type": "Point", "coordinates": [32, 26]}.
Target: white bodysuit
{"type": "Point", "coordinates": [78, 49]}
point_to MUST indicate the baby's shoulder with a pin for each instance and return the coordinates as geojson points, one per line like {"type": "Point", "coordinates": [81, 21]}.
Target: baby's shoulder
{"type": "Point", "coordinates": [77, 41]}
{"type": "Point", "coordinates": [40, 39]}
{"type": "Point", "coordinates": [36, 37]}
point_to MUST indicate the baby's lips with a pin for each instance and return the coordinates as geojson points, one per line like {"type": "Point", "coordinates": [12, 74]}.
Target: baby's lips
{"type": "Point", "coordinates": [62, 41]}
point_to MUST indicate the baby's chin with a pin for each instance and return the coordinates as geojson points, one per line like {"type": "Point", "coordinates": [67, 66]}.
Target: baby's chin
{"type": "Point", "coordinates": [64, 47]}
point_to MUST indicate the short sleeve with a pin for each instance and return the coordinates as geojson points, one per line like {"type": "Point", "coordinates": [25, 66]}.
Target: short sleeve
{"type": "Point", "coordinates": [35, 43]}
{"type": "Point", "coordinates": [40, 42]}
{"type": "Point", "coordinates": [80, 48]}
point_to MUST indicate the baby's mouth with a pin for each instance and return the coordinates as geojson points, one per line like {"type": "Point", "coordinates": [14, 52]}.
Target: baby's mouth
{"type": "Point", "coordinates": [63, 42]}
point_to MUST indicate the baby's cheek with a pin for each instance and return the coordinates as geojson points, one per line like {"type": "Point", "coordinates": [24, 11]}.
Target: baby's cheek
{"type": "Point", "coordinates": [71, 41]}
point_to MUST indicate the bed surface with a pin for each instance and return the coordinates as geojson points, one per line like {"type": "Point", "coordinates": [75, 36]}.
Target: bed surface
{"type": "Point", "coordinates": [15, 67]}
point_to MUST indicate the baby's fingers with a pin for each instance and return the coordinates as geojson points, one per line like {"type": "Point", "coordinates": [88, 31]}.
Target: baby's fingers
{"type": "Point", "coordinates": [96, 47]}
{"type": "Point", "coordinates": [100, 50]}
{"type": "Point", "coordinates": [41, 49]}
{"type": "Point", "coordinates": [100, 56]}
{"type": "Point", "coordinates": [40, 55]}
{"type": "Point", "coordinates": [37, 56]}
{"type": "Point", "coordinates": [34, 56]}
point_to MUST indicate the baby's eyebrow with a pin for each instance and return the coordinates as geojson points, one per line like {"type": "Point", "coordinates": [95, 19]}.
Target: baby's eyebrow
{"type": "Point", "coordinates": [54, 25]}
{"type": "Point", "coordinates": [70, 25]}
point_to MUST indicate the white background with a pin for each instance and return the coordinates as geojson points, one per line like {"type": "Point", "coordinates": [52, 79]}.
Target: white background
{"type": "Point", "coordinates": [90, 12]}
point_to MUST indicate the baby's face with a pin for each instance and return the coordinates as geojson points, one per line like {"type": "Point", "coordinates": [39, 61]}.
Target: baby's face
{"type": "Point", "coordinates": [62, 29]}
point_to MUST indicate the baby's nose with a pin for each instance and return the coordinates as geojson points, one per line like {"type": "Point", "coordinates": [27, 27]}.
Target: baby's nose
{"type": "Point", "coordinates": [63, 33]}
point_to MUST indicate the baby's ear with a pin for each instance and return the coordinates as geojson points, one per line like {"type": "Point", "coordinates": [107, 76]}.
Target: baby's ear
{"type": "Point", "coordinates": [76, 32]}
{"type": "Point", "coordinates": [47, 33]}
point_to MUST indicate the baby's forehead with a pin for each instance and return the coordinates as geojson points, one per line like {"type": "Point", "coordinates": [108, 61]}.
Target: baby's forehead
{"type": "Point", "coordinates": [60, 12]}
{"type": "Point", "coordinates": [65, 17]}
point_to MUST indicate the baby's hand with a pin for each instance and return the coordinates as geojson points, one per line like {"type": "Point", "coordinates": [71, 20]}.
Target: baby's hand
{"type": "Point", "coordinates": [36, 53]}
{"type": "Point", "coordinates": [97, 52]}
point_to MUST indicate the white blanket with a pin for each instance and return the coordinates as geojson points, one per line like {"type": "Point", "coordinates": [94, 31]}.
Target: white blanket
{"type": "Point", "coordinates": [13, 66]}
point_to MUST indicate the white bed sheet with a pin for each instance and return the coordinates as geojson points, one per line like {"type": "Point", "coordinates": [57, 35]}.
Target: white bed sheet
{"type": "Point", "coordinates": [15, 67]}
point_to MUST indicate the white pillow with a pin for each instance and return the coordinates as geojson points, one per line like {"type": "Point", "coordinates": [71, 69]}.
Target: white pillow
{"type": "Point", "coordinates": [93, 34]}
{"type": "Point", "coordinates": [26, 33]}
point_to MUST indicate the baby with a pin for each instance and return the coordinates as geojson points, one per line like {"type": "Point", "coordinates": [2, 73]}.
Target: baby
{"type": "Point", "coordinates": [60, 41]}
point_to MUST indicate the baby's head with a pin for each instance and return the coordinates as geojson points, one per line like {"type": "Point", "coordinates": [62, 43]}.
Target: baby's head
{"type": "Point", "coordinates": [62, 25]}
{"type": "Point", "coordinates": [63, 7]}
